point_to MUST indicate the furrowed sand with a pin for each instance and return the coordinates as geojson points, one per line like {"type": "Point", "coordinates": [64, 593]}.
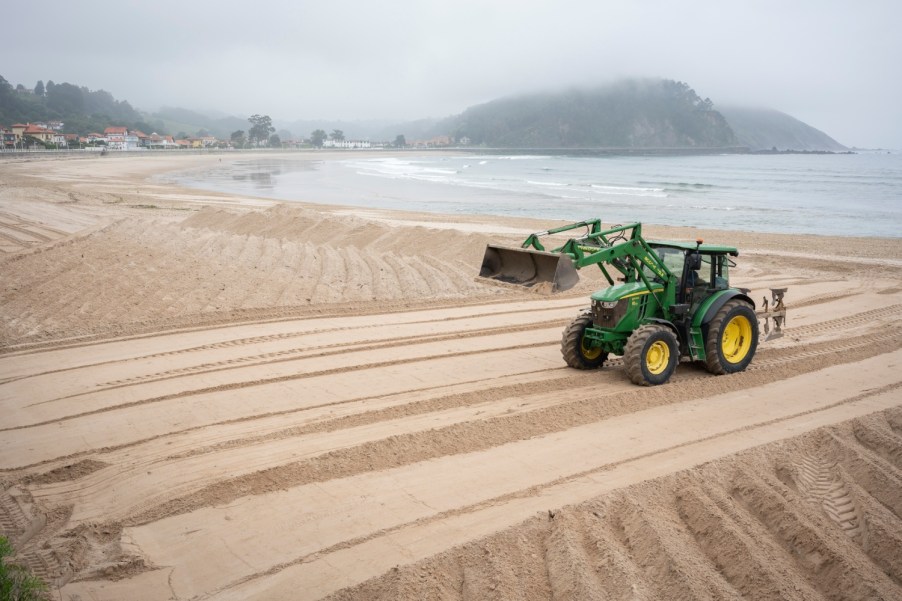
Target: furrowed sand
{"type": "Point", "coordinates": [207, 396]}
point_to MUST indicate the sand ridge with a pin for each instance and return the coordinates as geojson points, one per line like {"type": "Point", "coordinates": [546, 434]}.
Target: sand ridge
{"type": "Point", "coordinates": [328, 404]}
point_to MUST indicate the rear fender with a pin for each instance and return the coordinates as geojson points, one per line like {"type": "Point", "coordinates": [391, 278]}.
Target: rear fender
{"type": "Point", "coordinates": [708, 309]}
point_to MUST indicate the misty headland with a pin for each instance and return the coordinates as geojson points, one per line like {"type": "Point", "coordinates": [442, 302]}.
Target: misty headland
{"type": "Point", "coordinates": [629, 115]}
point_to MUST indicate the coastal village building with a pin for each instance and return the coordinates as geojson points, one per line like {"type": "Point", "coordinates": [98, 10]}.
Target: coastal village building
{"type": "Point", "coordinates": [115, 138]}
{"type": "Point", "coordinates": [155, 140]}
{"type": "Point", "coordinates": [438, 142]}
{"type": "Point", "coordinates": [39, 133]}
{"type": "Point", "coordinates": [122, 138]}
{"type": "Point", "coordinates": [135, 139]}
{"type": "Point", "coordinates": [8, 138]}
{"type": "Point", "coordinates": [22, 131]}
{"type": "Point", "coordinates": [346, 144]}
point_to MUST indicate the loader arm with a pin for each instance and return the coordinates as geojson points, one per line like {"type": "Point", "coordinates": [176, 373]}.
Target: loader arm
{"type": "Point", "coordinates": [636, 253]}
{"type": "Point", "coordinates": [622, 247]}
{"type": "Point", "coordinates": [593, 227]}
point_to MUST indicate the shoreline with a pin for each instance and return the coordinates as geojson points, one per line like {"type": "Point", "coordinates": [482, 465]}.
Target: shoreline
{"type": "Point", "coordinates": [143, 178]}
{"type": "Point", "coordinates": [376, 194]}
{"type": "Point", "coordinates": [61, 204]}
{"type": "Point", "coordinates": [148, 174]}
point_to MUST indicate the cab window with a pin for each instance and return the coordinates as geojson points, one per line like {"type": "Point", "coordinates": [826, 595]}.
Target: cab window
{"type": "Point", "coordinates": [673, 259]}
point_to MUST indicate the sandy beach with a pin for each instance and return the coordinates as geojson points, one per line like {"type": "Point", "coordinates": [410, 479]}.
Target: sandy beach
{"type": "Point", "coordinates": [208, 396]}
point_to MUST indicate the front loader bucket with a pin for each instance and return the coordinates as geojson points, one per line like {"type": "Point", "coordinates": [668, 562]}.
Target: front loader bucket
{"type": "Point", "coordinates": [528, 267]}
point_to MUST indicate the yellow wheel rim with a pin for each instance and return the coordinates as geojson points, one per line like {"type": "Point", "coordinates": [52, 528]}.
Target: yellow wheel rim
{"type": "Point", "coordinates": [736, 341]}
{"type": "Point", "coordinates": [589, 352]}
{"type": "Point", "coordinates": [657, 357]}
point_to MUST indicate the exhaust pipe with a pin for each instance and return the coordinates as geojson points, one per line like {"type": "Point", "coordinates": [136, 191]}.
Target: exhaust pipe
{"type": "Point", "coordinates": [528, 268]}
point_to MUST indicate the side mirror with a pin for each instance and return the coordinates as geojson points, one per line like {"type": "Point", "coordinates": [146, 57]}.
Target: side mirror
{"type": "Point", "coordinates": [694, 261]}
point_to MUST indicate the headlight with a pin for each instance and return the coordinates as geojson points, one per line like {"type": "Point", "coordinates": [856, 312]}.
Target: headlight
{"type": "Point", "coordinates": [609, 304]}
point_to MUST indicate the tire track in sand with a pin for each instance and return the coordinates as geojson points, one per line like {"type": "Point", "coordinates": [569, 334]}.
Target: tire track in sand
{"type": "Point", "coordinates": [429, 513]}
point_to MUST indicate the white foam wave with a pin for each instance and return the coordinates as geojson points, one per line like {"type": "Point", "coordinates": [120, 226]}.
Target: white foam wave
{"type": "Point", "coordinates": [618, 191]}
{"type": "Point", "coordinates": [551, 184]}
{"type": "Point", "coordinates": [624, 189]}
{"type": "Point", "coordinates": [512, 157]}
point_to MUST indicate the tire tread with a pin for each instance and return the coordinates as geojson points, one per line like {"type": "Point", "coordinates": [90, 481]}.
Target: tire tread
{"type": "Point", "coordinates": [633, 352]}
{"type": "Point", "coordinates": [713, 361]}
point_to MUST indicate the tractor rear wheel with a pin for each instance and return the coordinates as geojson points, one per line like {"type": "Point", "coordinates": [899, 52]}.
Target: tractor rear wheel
{"type": "Point", "coordinates": [651, 355]}
{"type": "Point", "coordinates": [732, 338]}
{"type": "Point", "coordinates": [578, 352]}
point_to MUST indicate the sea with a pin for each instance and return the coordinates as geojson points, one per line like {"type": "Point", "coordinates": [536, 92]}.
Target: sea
{"type": "Point", "coordinates": [856, 194]}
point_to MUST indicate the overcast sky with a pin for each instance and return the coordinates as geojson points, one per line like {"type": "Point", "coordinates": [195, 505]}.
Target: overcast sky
{"type": "Point", "coordinates": [832, 64]}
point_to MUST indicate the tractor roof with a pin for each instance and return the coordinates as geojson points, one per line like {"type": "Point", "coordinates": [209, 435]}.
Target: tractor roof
{"type": "Point", "coordinates": [716, 249]}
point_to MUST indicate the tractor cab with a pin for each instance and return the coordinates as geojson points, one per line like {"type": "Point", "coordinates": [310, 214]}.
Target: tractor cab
{"type": "Point", "coordinates": [701, 269]}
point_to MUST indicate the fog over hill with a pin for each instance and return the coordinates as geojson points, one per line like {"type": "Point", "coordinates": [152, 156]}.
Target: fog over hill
{"type": "Point", "coordinates": [765, 129]}
{"type": "Point", "coordinates": [631, 113]}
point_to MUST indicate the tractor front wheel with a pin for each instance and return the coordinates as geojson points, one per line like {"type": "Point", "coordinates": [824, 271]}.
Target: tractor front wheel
{"type": "Point", "coordinates": [732, 338]}
{"type": "Point", "coordinates": [577, 350]}
{"type": "Point", "coordinates": [651, 355]}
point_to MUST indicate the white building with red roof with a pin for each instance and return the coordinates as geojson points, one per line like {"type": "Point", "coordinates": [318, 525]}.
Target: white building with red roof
{"type": "Point", "coordinates": [115, 137]}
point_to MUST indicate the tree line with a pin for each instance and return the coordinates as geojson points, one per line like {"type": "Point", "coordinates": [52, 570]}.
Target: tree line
{"type": "Point", "coordinates": [261, 134]}
{"type": "Point", "coordinates": [81, 109]}
{"type": "Point", "coordinates": [85, 111]}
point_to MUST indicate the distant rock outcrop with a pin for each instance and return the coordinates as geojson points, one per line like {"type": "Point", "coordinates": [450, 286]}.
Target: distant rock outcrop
{"type": "Point", "coordinates": [767, 129]}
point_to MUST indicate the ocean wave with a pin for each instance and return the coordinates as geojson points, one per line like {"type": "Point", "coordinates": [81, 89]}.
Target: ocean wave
{"type": "Point", "coordinates": [682, 185]}
{"type": "Point", "coordinates": [552, 184]}
{"type": "Point", "coordinates": [628, 191]}
{"type": "Point", "coordinates": [512, 157]}
{"type": "Point", "coordinates": [421, 177]}
{"type": "Point", "coordinates": [400, 169]}
{"type": "Point", "coordinates": [624, 188]}
{"type": "Point", "coordinates": [797, 193]}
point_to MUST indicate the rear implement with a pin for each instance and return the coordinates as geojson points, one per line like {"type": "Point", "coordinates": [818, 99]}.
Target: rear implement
{"type": "Point", "coordinates": [773, 311]}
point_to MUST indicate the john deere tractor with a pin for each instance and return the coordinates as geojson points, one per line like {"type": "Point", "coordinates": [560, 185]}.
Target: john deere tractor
{"type": "Point", "coordinates": [672, 300]}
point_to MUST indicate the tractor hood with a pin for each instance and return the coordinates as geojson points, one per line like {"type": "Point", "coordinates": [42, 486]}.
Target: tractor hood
{"type": "Point", "coordinates": [620, 291]}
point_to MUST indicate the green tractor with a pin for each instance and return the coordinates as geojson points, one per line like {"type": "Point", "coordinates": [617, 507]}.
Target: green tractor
{"type": "Point", "coordinates": [674, 300]}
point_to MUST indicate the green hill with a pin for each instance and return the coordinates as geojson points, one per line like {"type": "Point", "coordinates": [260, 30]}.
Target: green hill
{"type": "Point", "coordinates": [81, 109]}
{"type": "Point", "coordinates": [84, 111]}
{"type": "Point", "coordinates": [628, 114]}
